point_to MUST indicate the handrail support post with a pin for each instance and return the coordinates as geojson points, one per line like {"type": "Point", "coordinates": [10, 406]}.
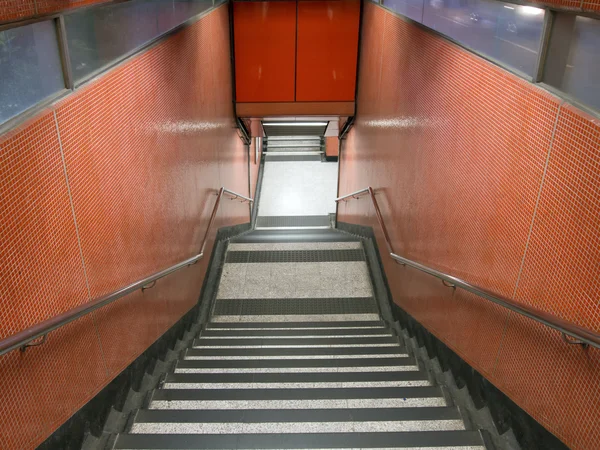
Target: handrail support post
{"type": "Point", "coordinates": [24, 347]}
{"type": "Point", "coordinates": [572, 333]}
{"type": "Point", "coordinates": [570, 341]}
{"type": "Point", "coordinates": [23, 339]}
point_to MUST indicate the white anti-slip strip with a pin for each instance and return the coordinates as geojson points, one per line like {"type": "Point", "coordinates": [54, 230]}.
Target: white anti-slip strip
{"type": "Point", "coordinates": [300, 404]}
{"type": "Point", "coordinates": [297, 318]}
{"type": "Point", "coordinates": [295, 328]}
{"type": "Point", "coordinates": [303, 357]}
{"type": "Point", "coordinates": [297, 427]}
{"type": "Point", "coordinates": [295, 246]}
{"type": "Point", "coordinates": [466, 447]}
{"type": "Point", "coordinates": [293, 228]}
{"type": "Point", "coordinates": [299, 336]}
{"type": "Point", "coordinates": [298, 369]}
{"type": "Point", "coordinates": [317, 385]}
{"type": "Point", "coordinates": [299, 153]}
{"type": "Point", "coordinates": [298, 346]}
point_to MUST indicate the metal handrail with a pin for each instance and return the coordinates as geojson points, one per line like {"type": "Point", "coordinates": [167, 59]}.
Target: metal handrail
{"type": "Point", "coordinates": [583, 336]}
{"type": "Point", "coordinates": [23, 338]}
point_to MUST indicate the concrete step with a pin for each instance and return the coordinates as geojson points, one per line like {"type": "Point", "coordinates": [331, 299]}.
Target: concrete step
{"type": "Point", "coordinates": [443, 440]}
{"type": "Point", "coordinates": [292, 138]}
{"type": "Point", "coordinates": [270, 333]}
{"type": "Point", "coordinates": [306, 143]}
{"type": "Point", "coordinates": [294, 342]}
{"type": "Point", "coordinates": [263, 380]}
{"type": "Point", "coordinates": [301, 415]}
{"type": "Point", "coordinates": [294, 236]}
{"type": "Point", "coordinates": [297, 427]}
{"type": "Point", "coordinates": [292, 157]}
{"type": "Point", "coordinates": [294, 246]}
{"type": "Point", "coordinates": [278, 318]}
{"type": "Point", "coordinates": [348, 325]}
{"type": "Point", "coordinates": [294, 256]}
{"type": "Point", "coordinates": [308, 398]}
{"type": "Point", "coordinates": [299, 365]}
{"type": "Point", "coordinates": [295, 353]}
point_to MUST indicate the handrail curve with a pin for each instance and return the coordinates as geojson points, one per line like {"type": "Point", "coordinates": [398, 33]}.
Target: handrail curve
{"type": "Point", "coordinates": [23, 338]}
{"type": "Point", "coordinates": [583, 336]}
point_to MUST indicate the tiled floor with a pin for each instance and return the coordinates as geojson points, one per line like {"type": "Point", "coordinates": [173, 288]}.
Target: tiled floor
{"type": "Point", "coordinates": [298, 188]}
{"type": "Point", "coordinates": [295, 280]}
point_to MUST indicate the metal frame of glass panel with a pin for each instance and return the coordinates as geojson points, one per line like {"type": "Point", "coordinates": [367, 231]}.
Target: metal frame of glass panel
{"type": "Point", "coordinates": [45, 100]}
{"type": "Point", "coordinates": [566, 27]}
{"type": "Point", "coordinates": [70, 84]}
{"type": "Point", "coordinates": [537, 76]}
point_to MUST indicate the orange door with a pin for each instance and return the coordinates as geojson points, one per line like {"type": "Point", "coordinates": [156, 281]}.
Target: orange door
{"type": "Point", "coordinates": [265, 51]}
{"type": "Point", "coordinates": [327, 50]}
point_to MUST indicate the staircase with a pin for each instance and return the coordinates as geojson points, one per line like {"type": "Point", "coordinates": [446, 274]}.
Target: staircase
{"type": "Point", "coordinates": [296, 355]}
{"type": "Point", "coordinates": [294, 149]}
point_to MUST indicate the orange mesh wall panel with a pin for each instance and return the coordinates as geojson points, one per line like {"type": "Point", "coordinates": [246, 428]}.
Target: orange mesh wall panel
{"type": "Point", "coordinates": [592, 6]}
{"type": "Point", "coordinates": [22, 9]}
{"type": "Point", "coordinates": [115, 182]}
{"type": "Point", "coordinates": [489, 178]}
{"type": "Point", "coordinates": [265, 51]}
{"type": "Point", "coordinates": [50, 6]}
{"type": "Point", "coordinates": [16, 9]}
{"type": "Point", "coordinates": [327, 50]}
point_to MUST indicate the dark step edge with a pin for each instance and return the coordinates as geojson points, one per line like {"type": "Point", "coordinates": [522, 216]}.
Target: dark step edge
{"type": "Point", "coordinates": [287, 363]}
{"type": "Point", "coordinates": [316, 325]}
{"type": "Point", "coordinates": [283, 351]}
{"type": "Point", "coordinates": [290, 377]}
{"type": "Point", "coordinates": [299, 415]}
{"type": "Point", "coordinates": [305, 440]}
{"type": "Point", "coordinates": [297, 394]}
{"type": "Point", "coordinates": [214, 333]}
{"type": "Point", "coordinates": [282, 341]}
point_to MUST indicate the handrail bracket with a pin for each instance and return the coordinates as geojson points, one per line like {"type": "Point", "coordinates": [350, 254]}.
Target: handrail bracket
{"type": "Point", "coordinates": [572, 333]}
{"type": "Point", "coordinates": [23, 339]}
{"type": "Point", "coordinates": [24, 347]}
{"type": "Point", "coordinates": [573, 341]}
{"type": "Point", "coordinates": [448, 284]}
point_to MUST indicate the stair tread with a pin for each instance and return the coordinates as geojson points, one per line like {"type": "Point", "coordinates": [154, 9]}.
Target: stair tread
{"type": "Point", "coordinates": [296, 394]}
{"type": "Point", "coordinates": [247, 352]}
{"type": "Point", "coordinates": [208, 333]}
{"type": "Point", "coordinates": [273, 363]}
{"type": "Point", "coordinates": [433, 439]}
{"type": "Point", "coordinates": [249, 307]}
{"type": "Point", "coordinates": [282, 236]}
{"type": "Point", "coordinates": [294, 256]}
{"type": "Point", "coordinates": [349, 324]}
{"type": "Point", "coordinates": [298, 415]}
{"type": "Point", "coordinates": [203, 341]}
{"type": "Point", "coordinates": [314, 377]}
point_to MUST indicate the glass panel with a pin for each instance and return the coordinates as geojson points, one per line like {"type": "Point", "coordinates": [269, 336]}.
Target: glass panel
{"type": "Point", "coordinates": [30, 67]}
{"type": "Point", "coordinates": [409, 8]}
{"type": "Point", "coordinates": [100, 36]}
{"type": "Point", "coordinates": [506, 32]}
{"type": "Point", "coordinates": [573, 63]}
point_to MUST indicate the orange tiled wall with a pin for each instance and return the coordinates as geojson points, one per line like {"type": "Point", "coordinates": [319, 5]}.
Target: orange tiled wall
{"type": "Point", "coordinates": [113, 183]}
{"type": "Point", "coordinates": [22, 9]}
{"type": "Point", "coordinates": [487, 177]}
{"type": "Point", "coordinates": [592, 6]}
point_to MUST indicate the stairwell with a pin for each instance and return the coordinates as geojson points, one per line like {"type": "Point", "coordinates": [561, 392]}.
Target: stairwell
{"type": "Point", "coordinates": [296, 355]}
